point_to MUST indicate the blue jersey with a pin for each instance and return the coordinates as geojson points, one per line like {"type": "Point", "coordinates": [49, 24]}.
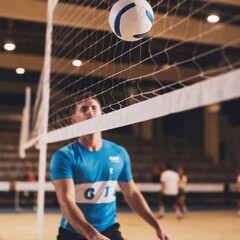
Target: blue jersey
{"type": "Point", "coordinates": [95, 175]}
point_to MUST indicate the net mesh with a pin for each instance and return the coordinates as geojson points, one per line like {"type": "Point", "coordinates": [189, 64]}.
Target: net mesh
{"type": "Point", "coordinates": [182, 49]}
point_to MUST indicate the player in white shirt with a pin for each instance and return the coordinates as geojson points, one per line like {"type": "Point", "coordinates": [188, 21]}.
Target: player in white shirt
{"type": "Point", "coordinates": [170, 188]}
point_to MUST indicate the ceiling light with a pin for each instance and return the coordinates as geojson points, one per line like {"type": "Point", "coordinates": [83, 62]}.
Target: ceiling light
{"type": "Point", "coordinates": [9, 46]}
{"type": "Point", "coordinates": [213, 18]}
{"type": "Point", "coordinates": [20, 70]}
{"type": "Point", "coordinates": [77, 63]}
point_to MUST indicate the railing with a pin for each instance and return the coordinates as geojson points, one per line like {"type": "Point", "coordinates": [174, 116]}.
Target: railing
{"type": "Point", "coordinates": [22, 186]}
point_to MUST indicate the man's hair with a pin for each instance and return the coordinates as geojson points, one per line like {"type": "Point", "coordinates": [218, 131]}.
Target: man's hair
{"type": "Point", "coordinates": [82, 98]}
{"type": "Point", "coordinates": [169, 166]}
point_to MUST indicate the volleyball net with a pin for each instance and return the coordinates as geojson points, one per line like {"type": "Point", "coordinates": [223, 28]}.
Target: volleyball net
{"type": "Point", "coordinates": [183, 63]}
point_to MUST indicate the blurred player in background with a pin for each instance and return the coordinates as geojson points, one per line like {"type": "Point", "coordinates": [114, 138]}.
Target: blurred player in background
{"type": "Point", "coordinates": [170, 182]}
{"type": "Point", "coordinates": [182, 189]}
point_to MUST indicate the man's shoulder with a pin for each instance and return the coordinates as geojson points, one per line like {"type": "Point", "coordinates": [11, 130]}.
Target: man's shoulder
{"type": "Point", "coordinates": [115, 149]}
{"type": "Point", "coordinates": [108, 143]}
{"type": "Point", "coordinates": [66, 149]}
{"type": "Point", "coordinates": [170, 172]}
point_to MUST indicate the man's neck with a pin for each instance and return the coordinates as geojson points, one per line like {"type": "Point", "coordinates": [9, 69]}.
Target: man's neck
{"type": "Point", "coordinates": [93, 142]}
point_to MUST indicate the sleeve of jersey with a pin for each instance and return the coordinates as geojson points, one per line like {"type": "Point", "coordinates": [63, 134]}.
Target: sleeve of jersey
{"type": "Point", "coordinates": [60, 166]}
{"type": "Point", "coordinates": [126, 173]}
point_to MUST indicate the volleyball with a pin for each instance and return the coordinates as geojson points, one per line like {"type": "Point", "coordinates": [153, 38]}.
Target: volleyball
{"type": "Point", "coordinates": [131, 20]}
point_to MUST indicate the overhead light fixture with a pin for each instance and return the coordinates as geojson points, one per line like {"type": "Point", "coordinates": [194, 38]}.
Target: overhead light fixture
{"type": "Point", "coordinates": [9, 46]}
{"type": "Point", "coordinates": [213, 18]}
{"type": "Point", "coordinates": [20, 70]}
{"type": "Point", "coordinates": [76, 63]}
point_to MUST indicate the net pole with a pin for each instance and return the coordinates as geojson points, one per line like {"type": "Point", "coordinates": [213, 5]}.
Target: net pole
{"type": "Point", "coordinates": [42, 139]}
{"type": "Point", "coordinates": [41, 191]}
{"type": "Point", "coordinates": [24, 134]}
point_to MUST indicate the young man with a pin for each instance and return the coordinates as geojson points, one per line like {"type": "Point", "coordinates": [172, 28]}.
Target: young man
{"type": "Point", "coordinates": [170, 182]}
{"type": "Point", "coordinates": [85, 174]}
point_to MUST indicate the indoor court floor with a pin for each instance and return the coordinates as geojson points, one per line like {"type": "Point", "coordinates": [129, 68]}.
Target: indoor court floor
{"type": "Point", "coordinates": [197, 225]}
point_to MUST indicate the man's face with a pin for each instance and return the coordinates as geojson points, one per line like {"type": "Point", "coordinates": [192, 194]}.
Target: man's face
{"type": "Point", "coordinates": [86, 110]}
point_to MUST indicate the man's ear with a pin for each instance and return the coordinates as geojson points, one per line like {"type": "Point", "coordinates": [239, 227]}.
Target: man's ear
{"type": "Point", "coordinates": [73, 119]}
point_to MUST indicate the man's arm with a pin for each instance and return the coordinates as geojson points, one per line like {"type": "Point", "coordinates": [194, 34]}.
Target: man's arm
{"type": "Point", "coordinates": [238, 182]}
{"type": "Point", "coordinates": [163, 187]}
{"type": "Point", "coordinates": [137, 202]}
{"type": "Point", "coordinates": [66, 197]}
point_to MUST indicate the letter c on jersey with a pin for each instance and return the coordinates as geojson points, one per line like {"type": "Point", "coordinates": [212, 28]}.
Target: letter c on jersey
{"type": "Point", "coordinates": [89, 193]}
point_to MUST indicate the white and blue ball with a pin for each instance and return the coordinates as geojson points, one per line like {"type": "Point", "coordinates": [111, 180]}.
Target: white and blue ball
{"type": "Point", "coordinates": [131, 20]}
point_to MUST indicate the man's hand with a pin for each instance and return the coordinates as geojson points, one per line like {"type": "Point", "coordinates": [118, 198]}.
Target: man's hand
{"type": "Point", "coordinates": [98, 236]}
{"type": "Point", "coordinates": [161, 235]}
